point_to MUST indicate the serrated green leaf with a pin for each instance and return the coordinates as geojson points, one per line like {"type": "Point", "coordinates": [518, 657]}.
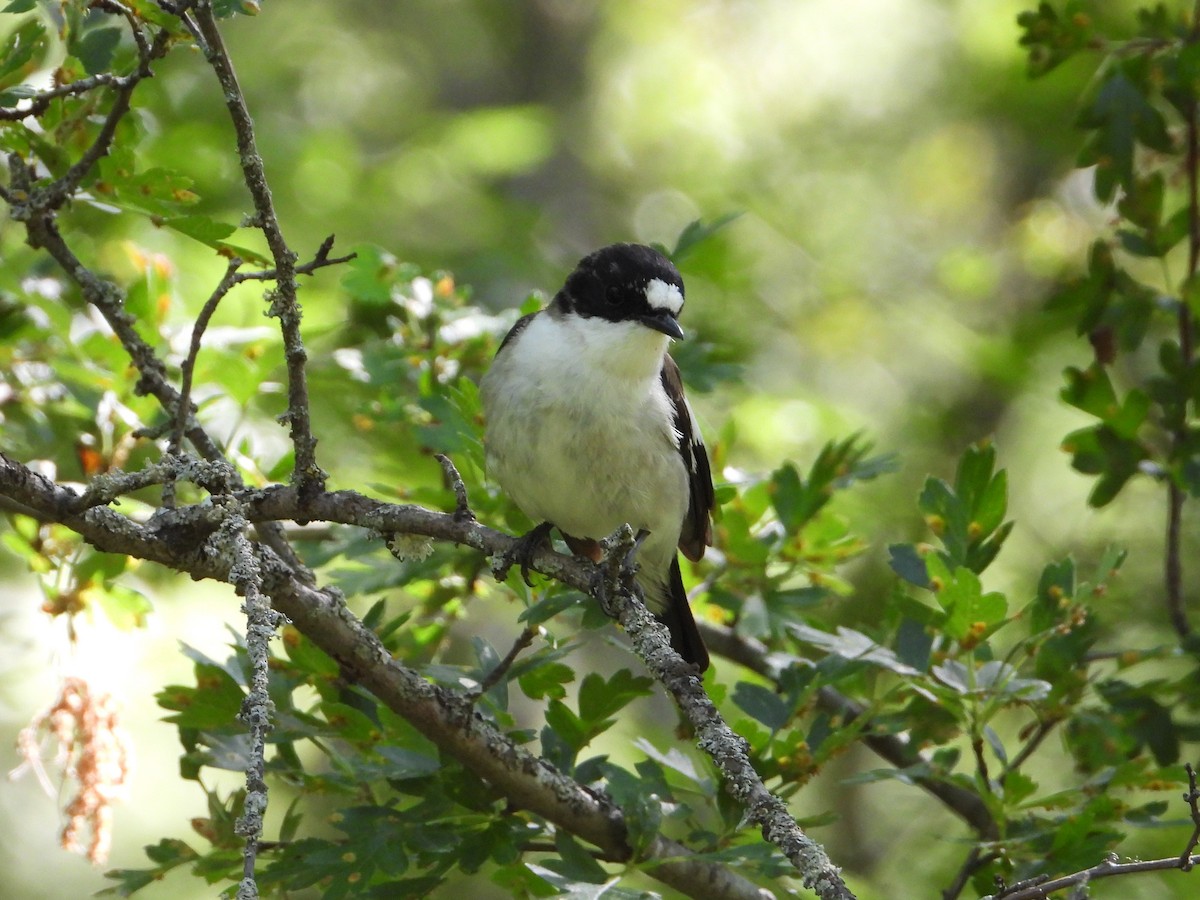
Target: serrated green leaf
{"type": "Point", "coordinates": [546, 681]}
{"type": "Point", "coordinates": [212, 705]}
{"type": "Point", "coordinates": [600, 698]}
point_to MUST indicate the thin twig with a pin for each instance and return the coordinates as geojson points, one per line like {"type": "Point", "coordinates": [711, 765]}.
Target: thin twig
{"type": "Point", "coordinates": [981, 765]}
{"type": "Point", "coordinates": [1043, 730]}
{"type": "Point", "coordinates": [1110, 867]}
{"type": "Point", "coordinates": [54, 195]}
{"type": "Point", "coordinates": [524, 639]}
{"type": "Point", "coordinates": [284, 304]}
{"type": "Point", "coordinates": [975, 861]}
{"type": "Point", "coordinates": [183, 409]}
{"type": "Point", "coordinates": [1191, 797]}
{"type": "Point", "coordinates": [135, 26]}
{"type": "Point", "coordinates": [320, 261]}
{"type": "Point", "coordinates": [1042, 886]}
{"type": "Point", "coordinates": [40, 102]}
{"type": "Point", "coordinates": [462, 508]}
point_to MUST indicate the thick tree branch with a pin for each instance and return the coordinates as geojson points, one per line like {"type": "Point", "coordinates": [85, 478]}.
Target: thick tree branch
{"type": "Point", "coordinates": [187, 540]}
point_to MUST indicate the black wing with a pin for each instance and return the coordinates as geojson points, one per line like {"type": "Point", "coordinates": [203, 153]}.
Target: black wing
{"type": "Point", "coordinates": [697, 525]}
{"type": "Point", "coordinates": [518, 327]}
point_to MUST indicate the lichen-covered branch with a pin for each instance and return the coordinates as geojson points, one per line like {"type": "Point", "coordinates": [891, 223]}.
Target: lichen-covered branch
{"type": "Point", "coordinates": [190, 540]}
{"type": "Point", "coordinates": [261, 624]}
{"type": "Point", "coordinates": [728, 750]}
{"type": "Point", "coordinates": [284, 303]}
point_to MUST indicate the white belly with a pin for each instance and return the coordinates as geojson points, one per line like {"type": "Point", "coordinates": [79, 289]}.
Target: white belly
{"type": "Point", "coordinates": [588, 455]}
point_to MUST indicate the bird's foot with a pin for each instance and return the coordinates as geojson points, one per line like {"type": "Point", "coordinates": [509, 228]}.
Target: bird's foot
{"type": "Point", "coordinates": [629, 564]}
{"type": "Point", "coordinates": [618, 567]}
{"type": "Point", "coordinates": [522, 551]}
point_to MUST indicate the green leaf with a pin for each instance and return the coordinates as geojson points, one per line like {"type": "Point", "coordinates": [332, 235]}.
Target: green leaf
{"type": "Point", "coordinates": [23, 53]}
{"type": "Point", "coordinates": [914, 644]}
{"type": "Point", "coordinates": [853, 645]}
{"type": "Point", "coordinates": [567, 727]}
{"type": "Point", "coordinates": [95, 49]}
{"type": "Point", "coordinates": [972, 613]}
{"type": "Point", "coordinates": [792, 502]}
{"type": "Point", "coordinates": [1056, 590]}
{"type": "Point", "coordinates": [125, 608]}
{"type": "Point", "coordinates": [225, 9]}
{"type": "Point", "coordinates": [696, 233]}
{"type": "Point", "coordinates": [1018, 786]}
{"type": "Point", "coordinates": [1100, 451]}
{"type": "Point", "coordinates": [838, 465]}
{"type": "Point", "coordinates": [546, 681]}
{"type": "Point", "coordinates": [908, 563]}
{"type": "Point", "coordinates": [1122, 116]}
{"type": "Point", "coordinates": [373, 275]}
{"type": "Point", "coordinates": [1144, 717]}
{"type": "Point", "coordinates": [292, 817]}
{"type": "Point", "coordinates": [1053, 38]}
{"type": "Point", "coordinates": [549, 606]}
{"type": "Point", "coordinates": [990, 506]}
{"type": "Point", "coordinates": [212, 705]}
{"type": "Point", "coordinates": [574, 861]}
{"type": "Point", "coordinates": [157, 191]}
{"type": "Point", "coordinates": [673, 760]}
{"type": "Point", "coordinates": [405, 763]}
{"type": "Point", "coordinates": [201, 228]}
{"type": "Point", "coordinates": [520, 880]}
{"type": "Point", "coordinates": [600, 698]}
{"type": "Point", "coordinates": [168, 853]}
{"type": "Point", "coordinates": [310, 658]}
{"type": "Point", "coordinates": [762, 703]}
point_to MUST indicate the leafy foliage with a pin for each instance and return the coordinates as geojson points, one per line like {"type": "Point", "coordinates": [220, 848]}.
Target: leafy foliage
{"type": "Point", "coordinates": [956, 685]}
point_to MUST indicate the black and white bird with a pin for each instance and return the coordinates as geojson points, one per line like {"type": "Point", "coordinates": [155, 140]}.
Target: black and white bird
{"type": "Point", "coordinates": [588, 427]}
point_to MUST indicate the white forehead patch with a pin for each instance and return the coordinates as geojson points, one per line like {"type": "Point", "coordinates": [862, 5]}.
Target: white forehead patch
{"type": "Point", "coordinates": [661, 295]}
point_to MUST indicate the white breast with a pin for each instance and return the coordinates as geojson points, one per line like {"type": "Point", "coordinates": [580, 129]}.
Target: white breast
{"type": "Point", "coordinates": [581, 432]}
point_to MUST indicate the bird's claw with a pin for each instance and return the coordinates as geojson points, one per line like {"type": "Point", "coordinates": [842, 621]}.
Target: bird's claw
{"type": "Point", "coordinates": [629, 564]}
{"type": "Point", "coordinates": [522, 551]}
{"type": "Point", "coordinates": [617, 571]}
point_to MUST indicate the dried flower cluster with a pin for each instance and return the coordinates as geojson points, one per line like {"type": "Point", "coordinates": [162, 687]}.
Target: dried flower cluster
{"type": "Point", "coordinates": [94, 751]}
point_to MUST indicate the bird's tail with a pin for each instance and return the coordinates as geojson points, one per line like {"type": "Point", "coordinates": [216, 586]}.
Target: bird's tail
{"type": "Point", "coordinates": [677, 616]}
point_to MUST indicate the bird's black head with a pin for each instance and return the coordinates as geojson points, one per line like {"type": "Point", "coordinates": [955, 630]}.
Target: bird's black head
{"type": "Point", "coordinates": [626, 283]}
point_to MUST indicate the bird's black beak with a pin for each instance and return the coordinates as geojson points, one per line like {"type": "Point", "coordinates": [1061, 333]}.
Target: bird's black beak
{"type": "Point", "coordinates": [661, 320]}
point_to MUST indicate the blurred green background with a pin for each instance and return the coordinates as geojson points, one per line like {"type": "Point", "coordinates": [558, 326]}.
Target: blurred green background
{"type": "Point", "coordinates": [907, 199]}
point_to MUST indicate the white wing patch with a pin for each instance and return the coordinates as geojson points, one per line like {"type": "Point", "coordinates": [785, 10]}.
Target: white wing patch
{"type": "Point", "coordinates": [661, 295]}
